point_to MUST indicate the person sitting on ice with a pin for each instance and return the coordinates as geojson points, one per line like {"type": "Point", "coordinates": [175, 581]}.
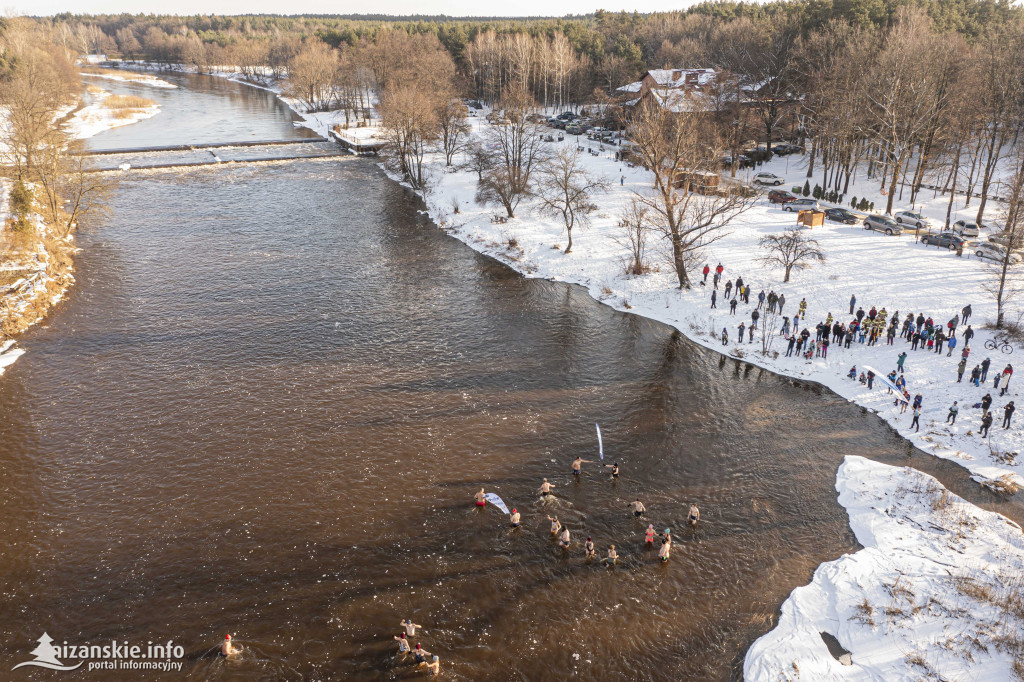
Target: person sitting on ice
{"type": "Point", "coordinates": [863, 378]}
{"type": "Point", "coordinates": [853, 372]}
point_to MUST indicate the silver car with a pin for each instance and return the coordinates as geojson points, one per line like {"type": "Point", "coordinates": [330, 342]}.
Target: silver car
{"type": "Point", "coordinates": [914, 219]}
{"type": "Point", "coordinates": [882, 223]}
{"type": "Point", "coordinates": [801, 205]}
{"type": "Point", "coordinates": [967, 228]}
{"type": "Point", "coordinates": [995, 252]}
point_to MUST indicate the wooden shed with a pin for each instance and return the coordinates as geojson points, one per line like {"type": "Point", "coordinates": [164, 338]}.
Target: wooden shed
{"type": "Point", "coordinates": [811, 218]}
{"type": "Point", "coordinates": [701, 182]}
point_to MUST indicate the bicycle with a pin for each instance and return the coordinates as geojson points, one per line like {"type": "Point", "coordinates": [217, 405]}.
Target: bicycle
{"type": "Point", "coordinates": [1001, 344]}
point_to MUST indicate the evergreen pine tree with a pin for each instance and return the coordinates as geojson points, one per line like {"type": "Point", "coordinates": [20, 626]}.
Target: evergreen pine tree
{"type": "Point", "coordinates": [853, 203]}
{"type": "Point", "coordinates": [807, 188]}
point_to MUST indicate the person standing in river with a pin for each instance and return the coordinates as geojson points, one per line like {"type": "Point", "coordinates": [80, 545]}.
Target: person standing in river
{"type": "Point", "coordinates": [545, 488]}
{"type": "Point", "coordinates": [577, 466]}
{"type": "Point", "coordinates": [665, 551]}
{"type": "Point", "coordinates": [403, 644]}
{"type": "Point", "coordinates": [588, 549]}
{"type": "Point", "coordinates": [481, 500]}
{"type": "Point", "coordinates": [694, 515]}
{"type": "Point", "coordinates": [638, 508]}
{"type": "Point", "coordinates": [563, 538]}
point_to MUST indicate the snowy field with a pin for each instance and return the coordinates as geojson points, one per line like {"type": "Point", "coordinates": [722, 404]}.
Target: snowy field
{"type": "Point", "coordinates": [934, 594]}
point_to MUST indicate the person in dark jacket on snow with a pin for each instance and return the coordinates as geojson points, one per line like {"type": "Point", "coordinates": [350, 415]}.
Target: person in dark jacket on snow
{"type": "Point", "coordinates": [986, 402]}
{"type": "Point", "coordinates": [986, 423]}
{"type": "Point", "coordinates": [1008, 414]}
{"type": "Point", "coordinates": [853, 302]}
{"type": "Point", "coordinates": [984, 369]}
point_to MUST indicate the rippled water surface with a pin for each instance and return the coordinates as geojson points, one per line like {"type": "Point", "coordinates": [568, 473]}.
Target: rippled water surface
{"type": "Point", "coordinates": [267, 403]}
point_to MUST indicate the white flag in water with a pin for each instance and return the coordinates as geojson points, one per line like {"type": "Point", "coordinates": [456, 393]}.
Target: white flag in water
{"type": "Point", "coordinates": [600, 445]}
{"type": "Point", "coordinates": [496, 501]}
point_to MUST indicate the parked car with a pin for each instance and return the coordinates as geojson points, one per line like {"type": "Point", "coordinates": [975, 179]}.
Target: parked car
{"type": "Point", "coordinates": [995, 252]}
{"type": "Point", "coordinates": [946, 239]}
{"type": "Point", "coordinates": [967, 228]}
{"type": "Point", "coordinates": [882, 223]}
{"type": "Point", "coordinates": [914, 219]}
{"type": "Point", "coordinates": [742, 161]}
{"type": "Point", "coordinates": [841, 215]}
{"type": "Point", "coordinates": [768, 179]}
{"type": "Point", "coordinates": [780, 196]}
{"type": "Point", "coordinates": [785, 149]}
{"type": "Point", "coordinates": [572, 129]}
{"type": "Point", "coordinates": [1004, 239]}
{"type": "Point", "coordinates": [801, 205]}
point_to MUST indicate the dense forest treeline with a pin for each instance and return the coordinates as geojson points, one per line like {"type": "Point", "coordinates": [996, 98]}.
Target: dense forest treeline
{"type": "Point", "coordinates": [633, 36]}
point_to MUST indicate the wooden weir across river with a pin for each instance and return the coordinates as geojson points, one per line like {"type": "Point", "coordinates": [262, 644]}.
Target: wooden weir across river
{"type": "Point", "coordinates": [213, 154]}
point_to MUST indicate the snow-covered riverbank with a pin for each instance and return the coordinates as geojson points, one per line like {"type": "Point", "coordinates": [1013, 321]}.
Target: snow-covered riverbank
{"type": "Point", "coordinates": [43, 278]}
{"type": "Point", "coordinates": [935, 593]}
{"type": "Point", "coordinates": [891, 272]}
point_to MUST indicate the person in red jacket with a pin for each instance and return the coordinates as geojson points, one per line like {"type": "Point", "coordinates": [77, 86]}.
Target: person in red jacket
{"type": "Point", "coordinates": [707, 271]}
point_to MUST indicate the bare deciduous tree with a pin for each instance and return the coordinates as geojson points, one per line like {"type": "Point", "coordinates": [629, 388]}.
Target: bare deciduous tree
{"type": "Point", "coordinates": [519, 151]}
{"type": "Point", "coordinates": [681, 150]}
{"type": "Point", "coordinates": [312, 74]}
{"type": "Point", "coordinates": [451, 120]}
{"type": "Point", "coordinates": [789, 250]}
{"type": "Point", "coordinates": [565, 188]}
{"type": "Point", "coordinates": [634, 229]}
{"type": "Point", "coordinates": [410, 124]}
{"type": "Point", "coordinates": [1006, 285]}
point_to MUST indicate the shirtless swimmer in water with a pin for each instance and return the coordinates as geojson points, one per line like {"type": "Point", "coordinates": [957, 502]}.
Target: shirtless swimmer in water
{"type": "Point", "coordinates": [545, 488]}
{"type": "Point", "coordinates": [229, 649]}
{"type": "Point", "coordinates": [577, 465]}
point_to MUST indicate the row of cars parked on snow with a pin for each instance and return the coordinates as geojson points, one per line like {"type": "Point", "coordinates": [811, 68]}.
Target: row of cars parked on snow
{"type": "Point", "coordinates": [573, 124]}
{"type": "Point", "coordinates": [957, 237]}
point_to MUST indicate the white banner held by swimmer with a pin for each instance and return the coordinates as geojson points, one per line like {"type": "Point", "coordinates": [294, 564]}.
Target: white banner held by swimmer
{"type": "Point", "coordinates": [496, 501]}
{"type": "Point", "coordinates": [600, 445]}
{"type": "Point", "coordinates": [885, 381]}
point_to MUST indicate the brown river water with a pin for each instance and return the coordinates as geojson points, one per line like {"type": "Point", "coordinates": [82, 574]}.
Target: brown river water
{"type": "Point", "coordinates": [266, 405]}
